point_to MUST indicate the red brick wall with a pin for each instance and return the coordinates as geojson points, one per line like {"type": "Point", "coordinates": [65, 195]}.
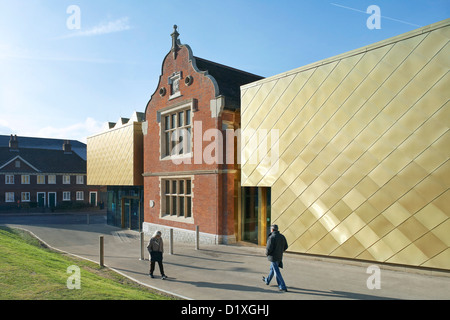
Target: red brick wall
{"type": "Point", "coordinates": [213, 204]}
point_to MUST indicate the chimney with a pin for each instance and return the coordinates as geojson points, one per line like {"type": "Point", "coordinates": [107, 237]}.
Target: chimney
{"type": "Point", "coordinates": [67, 147]}
{"type": "Point", "coordinates": [13, 143]}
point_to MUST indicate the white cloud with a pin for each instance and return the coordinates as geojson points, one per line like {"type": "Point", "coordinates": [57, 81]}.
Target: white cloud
{"type": "Point", "coordinates": [101, 29]}
{"type": "Point", "coordinates": [8, 52]}
{"type": "Point", "coordinates": [78, 131]}
{"type": "Point", "coordinates": [4, 127]}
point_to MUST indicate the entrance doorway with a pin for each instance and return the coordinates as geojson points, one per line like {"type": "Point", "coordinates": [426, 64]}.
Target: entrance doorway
{"type": "Point", "coordinates": [124, 207]}
{"type": "Point", "coordinates": [41, 199]}
{"type": "Point", "coordinates": [131, 213]}
{"type": "Point", "coordinates": [93, 198]}
{"type": "Point", "coordinates": [256, 206]}
{"type": "Point", "coordinates": [52, 199]}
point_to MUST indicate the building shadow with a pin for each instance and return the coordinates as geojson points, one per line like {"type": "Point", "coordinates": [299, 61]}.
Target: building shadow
{"type": "Point", "coordinates": [336, 294]}
{"type": "Point", "coordinates": [221, 286]}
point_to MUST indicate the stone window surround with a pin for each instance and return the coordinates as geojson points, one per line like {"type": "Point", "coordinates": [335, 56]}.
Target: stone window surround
{"type": "Point", "coordinates": [184, 105]}
{"type": "Point", "coordinates": [165, 216]}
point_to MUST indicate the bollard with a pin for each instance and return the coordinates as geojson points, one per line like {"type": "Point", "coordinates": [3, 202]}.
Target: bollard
{"type": "Point", "coordinates": [142, 246]}
{"type": "Point", "coordinates": [171, 241]}
{"type": "Point", "coordinates": [197, 237]}
{"type": "Point", "coordinates": [102, 252]}
{"type": "Point", "coordinates": [87, 218]}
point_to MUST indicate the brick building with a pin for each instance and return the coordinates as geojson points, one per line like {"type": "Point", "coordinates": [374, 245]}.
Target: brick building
{"type": "Point", "coordinates": [43, 177]}
{"type": "Point", "coordinates": [191, 175]}
{"type": "Point", "coordinates": [351, 156]}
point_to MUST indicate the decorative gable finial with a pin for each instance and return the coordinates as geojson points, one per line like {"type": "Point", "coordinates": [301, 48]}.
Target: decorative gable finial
{"type": "Point", "coordinates": [175, 41]}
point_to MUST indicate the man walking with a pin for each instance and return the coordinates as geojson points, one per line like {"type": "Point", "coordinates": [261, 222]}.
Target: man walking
{"type": "Point", "coordinates": [276, 245]}
{"type": "Point", "coordinates": [155, 248]}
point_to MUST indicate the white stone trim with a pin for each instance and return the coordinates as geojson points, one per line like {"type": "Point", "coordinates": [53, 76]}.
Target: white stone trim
{"type": "Point", "coordinates": [186, 236]}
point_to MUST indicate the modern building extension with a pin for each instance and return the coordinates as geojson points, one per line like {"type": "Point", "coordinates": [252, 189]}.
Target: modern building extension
{"type": "Point", "coordinates": [114, 160]}
{"type": "Point", "coordinates": [358, 159]}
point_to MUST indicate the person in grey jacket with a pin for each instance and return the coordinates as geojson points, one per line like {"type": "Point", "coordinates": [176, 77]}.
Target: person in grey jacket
{"type": "Point", "coordinates": [276, 245]}
{"type": "Point", "coordinates": [155, 248]}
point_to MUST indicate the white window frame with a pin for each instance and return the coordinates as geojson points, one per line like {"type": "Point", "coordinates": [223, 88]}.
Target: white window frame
{"type": "Point", "coordinates": [25, 179]}
{"type": "Point", "coordinates": [51, 179]}
{"type": "Point", "coordinates": [40, 179]}
{"type": "Point", "coordinates": [9, 197]}
{"type": "Point", "coordinates": [66, 179]}
{"type": "Point", "coordinates": [25, 197]}
{"type": "Point", "coordinates": [80, 196]}
{"type": "Point", "coordinates": [80, 179]}
{"type": "Point", "coordinates": [9, 179]}
{"type": "Point", "coordinates": [66, 196]}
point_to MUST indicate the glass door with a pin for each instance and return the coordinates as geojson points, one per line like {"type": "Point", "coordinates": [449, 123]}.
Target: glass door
{"type": "Point", "coordinates": [126, 214]}
{"type": "Point", "coordinates": [256, 214]}
{"type": "Point", "coordinates": [134, 214]}
{"type": "Point", "coordinates": [250, 214]}
{"type": "Point", "coordinates": [131, 213]}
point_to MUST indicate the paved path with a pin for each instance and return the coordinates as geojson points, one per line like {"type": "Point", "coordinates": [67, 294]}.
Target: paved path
{"type": "Point", "coordinates": [228, 272]}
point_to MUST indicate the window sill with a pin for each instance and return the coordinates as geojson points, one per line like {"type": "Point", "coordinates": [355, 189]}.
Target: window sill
{"type": "Point", "coordinates": [178, 157]}
{"type": "Point", "coordinates": [178, 219]}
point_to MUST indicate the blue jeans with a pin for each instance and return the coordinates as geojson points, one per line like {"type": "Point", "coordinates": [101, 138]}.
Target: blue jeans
{"type": "Point", "coordinates": [275, 270]}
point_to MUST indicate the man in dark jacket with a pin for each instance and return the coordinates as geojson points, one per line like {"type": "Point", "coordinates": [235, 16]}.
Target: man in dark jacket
{"type": "Point", "coordinates": [276, 245]}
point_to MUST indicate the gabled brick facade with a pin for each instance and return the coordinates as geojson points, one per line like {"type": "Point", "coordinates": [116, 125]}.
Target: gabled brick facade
{"type": "Point", "coordinates": [195, 187]}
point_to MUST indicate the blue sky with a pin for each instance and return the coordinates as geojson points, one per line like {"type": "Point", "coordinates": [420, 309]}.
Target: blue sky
{"type": "Point", "coordinates": [66, 83]}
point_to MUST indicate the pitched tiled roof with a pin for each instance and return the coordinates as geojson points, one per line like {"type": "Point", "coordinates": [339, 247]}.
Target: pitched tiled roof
{"type": "Point", "coordinates": [45, 143]}
{"type": "Point", "coordinates": [46, 161]}
{"type": "Point", "coordinates": [228, 79]}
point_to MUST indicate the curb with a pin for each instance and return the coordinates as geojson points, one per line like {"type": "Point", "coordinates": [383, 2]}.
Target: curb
{"type": "Point", "coordinates": [110, 268]}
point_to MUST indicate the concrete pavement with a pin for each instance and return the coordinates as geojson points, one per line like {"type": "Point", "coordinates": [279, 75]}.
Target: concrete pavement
{"type": "Point", "coordinates": [233, 272]}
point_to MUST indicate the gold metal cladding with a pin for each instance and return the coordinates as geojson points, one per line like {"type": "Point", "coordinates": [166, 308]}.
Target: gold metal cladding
{"type": "Point", "coordinates": [363, 148]}
{"type": "Point", "coordinates": [114, 158]}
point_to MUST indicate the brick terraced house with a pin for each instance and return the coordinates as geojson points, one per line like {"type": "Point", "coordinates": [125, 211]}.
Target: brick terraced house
{"type": "Point", "coordinates": [43, 177]}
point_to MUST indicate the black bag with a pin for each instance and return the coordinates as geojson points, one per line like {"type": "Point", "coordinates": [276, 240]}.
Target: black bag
{"type": "Point", "coordinates": [156, 256]}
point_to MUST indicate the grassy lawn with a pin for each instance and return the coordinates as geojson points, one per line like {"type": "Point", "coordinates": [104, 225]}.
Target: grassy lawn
{"type": "Point", "coordinates": [29, 271]}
